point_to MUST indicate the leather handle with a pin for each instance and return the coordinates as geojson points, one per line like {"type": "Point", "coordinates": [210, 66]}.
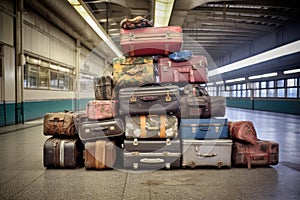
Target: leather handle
{"type": "Point", "coordinates": [190, 71]}
{"type": "Point", "coordinates": [152, 160]}
{"type": "Point", "coordinates": [149, 98]}
{"type": "Point", "coordinates": [205, 155]}
{"type": "Point", "coordinates": [99, 129]}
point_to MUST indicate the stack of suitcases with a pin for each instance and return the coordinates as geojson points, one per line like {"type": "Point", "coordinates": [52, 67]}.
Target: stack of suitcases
{"type": "Point", "coordinates": [153, 113]}
{"type": "Point", "coordinates": [63, 149]}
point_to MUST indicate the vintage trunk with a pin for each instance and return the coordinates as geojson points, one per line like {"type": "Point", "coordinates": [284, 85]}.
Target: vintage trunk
{"type": "Point", "coordinates": [212, 128]}
{"type": "Point", "coordinates": [103, 88]}
{"type": "Point", "coordinates": [101, 109]}
{"type": "Point", "coordinates": [263, 153]}
{"type": "Point", "coordinates": [152, 145]}
{"type": "Point", "coordinates": [151, 160]}
{"type": "Point", "coordinates": [59, 124]}
{"type": "Point", "coordinates": [95, 130]}
{"type": "Point", "coordinates": [151, 126]}
{"type": "Point", "coordinates": [63, 153]}
{"type": "Point", "coordinates": [99, 155]}
{"type": "Point", "coordinates": [206, 153]}
{"type": "Point", "coordinates": [153, 99]}
{"type": "Point", "coordinates": [193, 70]}
{"type": "Point", "coordinates": [151, 40]}
{"type": "Point", "coordinates": [133, 71]}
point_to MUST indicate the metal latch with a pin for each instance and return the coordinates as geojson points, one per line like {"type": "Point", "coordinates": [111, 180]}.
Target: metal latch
{"type": "Point", "coordinates": [168, 36]}
{"type": "Point", "coordinates": [168, 97]}
{"type": "Point", "coordinates": [168, 141]}
{"type": "Point", "coordinates": [194, 129]}
{"type": "Point", "coordinates": [135, 142]}
{"type": "Point", "coordinates": [132, 98]}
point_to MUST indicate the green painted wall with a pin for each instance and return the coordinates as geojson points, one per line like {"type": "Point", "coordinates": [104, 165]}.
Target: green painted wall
{"type": "Point", "coordinates": [289, 106]}
{"type": "Point", "coordinates": [37, 109]}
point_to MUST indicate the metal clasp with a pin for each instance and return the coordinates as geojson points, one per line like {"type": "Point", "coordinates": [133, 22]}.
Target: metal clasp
{"type": "Point", "coordinates": [168, 97]}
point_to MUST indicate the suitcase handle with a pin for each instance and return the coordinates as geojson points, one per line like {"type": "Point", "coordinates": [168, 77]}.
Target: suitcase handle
{"type": "Point", "coordinates": [99, 129]}
{"type": "Point", "coordinates": [167, 35]}
{"type": "Point", "coordinates": [205, 155]}
{"type": "Point", "coordinates": [152, 160]}
{"type": "Point", "coordinates": [149, 98]}
{"type": "Point", "coordinates": [154, 128]}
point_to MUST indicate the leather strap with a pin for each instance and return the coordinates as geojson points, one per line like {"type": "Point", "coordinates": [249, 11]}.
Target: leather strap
{"type": "Point", "coordinates": [143, 126]}
{"type": "Point", "coordinates": [162, 126]}
{"type": "Point", "coordinates": [100, 154]}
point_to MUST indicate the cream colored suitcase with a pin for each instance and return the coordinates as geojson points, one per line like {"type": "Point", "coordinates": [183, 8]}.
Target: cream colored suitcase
{"type": "Point", "coordinates": [215, 152]}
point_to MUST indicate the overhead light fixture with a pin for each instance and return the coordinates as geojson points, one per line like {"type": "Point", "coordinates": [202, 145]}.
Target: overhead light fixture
{"type": "Point", "coordinates": [292, 71]}
{"type": "Point", "coordinates": [263, 75]}
{"type": "Point", "coordinates": [81, 8]}
{"type": "Point", "coordinates": [235, 80]}
{"type": "Point", "coordinates": [220, 82]}
{"type": "Point", "coordinates": [162, 13]}
{"type": "Point", "coordinates": [284, 50]}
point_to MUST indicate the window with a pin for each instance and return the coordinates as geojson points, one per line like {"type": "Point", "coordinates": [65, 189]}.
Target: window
{"type": "Point", "coordinates": [280, 92]}
{"type": "Point", "coordinates": [263, 93]}
{"type": "Point", "coordinates": [292, 82]}
{"type": "Point", "coordinates": [271, 92]}
{"type": "Point", "coordinates": [263, 84]}
{"type": "Point", "coordinates": [270, 84]}
{"type": "Point", "coordinates": [86, 82]}
{"type": "Point", "coordinates": [292, 92]}
{"type": "Point", "coordinates": [280, 83]}
{"type": "Point", "coordinates": [44, 75]}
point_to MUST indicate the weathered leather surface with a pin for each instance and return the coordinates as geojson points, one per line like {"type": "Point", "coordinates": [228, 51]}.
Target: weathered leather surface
{"type": "Point", "coordinates": [243, 131]}
{"type": "Point", "coordinates": [59, 124]}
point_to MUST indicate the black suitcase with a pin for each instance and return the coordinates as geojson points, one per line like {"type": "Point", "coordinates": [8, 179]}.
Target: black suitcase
{"type": "Point", "coordinates": [152, 145]}
{"type": "Point", "coordinates": [63, 153]}
{"type": "Point", "coordinates": [150, 99]}
{"type": "Point", "coordinates": [95, 130]}
{"type": "Point", "coordinates": [103, 88]}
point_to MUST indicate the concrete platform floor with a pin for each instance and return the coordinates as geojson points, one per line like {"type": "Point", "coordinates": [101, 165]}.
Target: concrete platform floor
{"type": "Point", "coordinates": [22, 175]}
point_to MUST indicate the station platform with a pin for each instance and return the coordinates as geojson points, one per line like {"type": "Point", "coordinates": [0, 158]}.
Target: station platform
{"type": "Point", "coordinates": [23, 176]}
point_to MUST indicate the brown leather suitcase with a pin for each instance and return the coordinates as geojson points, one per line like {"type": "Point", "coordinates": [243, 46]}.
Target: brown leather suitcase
{"type": "Point", "coordinates": [193, 70]}
{"type": "Point", "coordinates": [263, 153]}
{"type": "Point", "coordinates": [59, 124]}
{"type": "Point", "coordinates": [99, 155]}
{"type": "Point", "coordinates": [103, 88]}
{"type": "Point", "coordinates": [243, 131]}
{"type": "Point", "coordinates": [63, 153]}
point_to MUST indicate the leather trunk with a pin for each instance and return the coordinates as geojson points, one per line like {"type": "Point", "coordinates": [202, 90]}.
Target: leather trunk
{"type": "Point", "coordinates": [202, 153]}
{"type": "Point", "coordinates": [263, 153]}
{"type": "Point", "coordinates": [101, 109]}
{"type": "Point", "coordinates": [212, 128]}
{"type": "Point", "coordinates": [63, 153]}
{"type": "Point", "coordinates": [133, 71]}
{"type": "Point", "coordinates": [192, 71]}
{"type": "Point", "coordinates": [152, 145]}
{"type": "Point", "coordinates": [151, 126]}
{"type": "Point", "coordinates": [103, 88]}
{"type": "Point", "coordinates": [59, 124]}
{"type": "Point", "coordinates": [146, 100]}
{"type": "Point", "coordinates": [151, 160]}
{"type": "Point", "coordinates": [151, 40]}
{"type": "Point", "coordinates": [99, 155]}
{"type": "Point", "coordinates": [95, 130]}
{"type": "Point", "coordinates": [243, 131]}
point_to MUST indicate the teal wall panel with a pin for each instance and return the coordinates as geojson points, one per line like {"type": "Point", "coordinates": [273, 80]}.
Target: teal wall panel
{"type": "Point", "coordinates": [7, 112]}
{"type": "Point", "coordinates": [239, 103]}
{"type": "Point", "coordinates": [289, 106]}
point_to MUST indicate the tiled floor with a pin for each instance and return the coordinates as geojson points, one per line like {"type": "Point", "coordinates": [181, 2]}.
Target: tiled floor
{"type": "Point", "coordinates": [22, 175]}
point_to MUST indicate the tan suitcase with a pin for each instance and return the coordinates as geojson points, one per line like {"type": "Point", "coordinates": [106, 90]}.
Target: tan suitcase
{"type": "Point", "coordinates": [99, 155]}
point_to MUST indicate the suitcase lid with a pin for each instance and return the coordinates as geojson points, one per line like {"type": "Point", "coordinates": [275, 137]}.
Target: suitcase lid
{"type": "Point", "coordinates": [208, 142]}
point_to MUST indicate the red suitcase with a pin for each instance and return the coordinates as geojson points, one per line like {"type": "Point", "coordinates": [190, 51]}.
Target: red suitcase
{"type": "Point", "coordinates": [151, 40]}
{"type": "Point", "coordinates": [101, 109]}
{"type": "Point", "coordinates": [193, 71]}
{"type": "Point", "coordinates": [263, 153]}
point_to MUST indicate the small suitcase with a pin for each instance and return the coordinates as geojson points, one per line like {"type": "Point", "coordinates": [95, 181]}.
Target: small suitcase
{"type": "Point", "coordinates": [63, 153]}
{"type": "Point", "coordinates": [96, 130]}
{"type": "Point", "coordinates": [103, 88]}
{"type": "Point", "coordinates": [151, 160]}
{"type": "Point", "coordinates": [99, 155]}
{"type": "Point", "coordinates": [151, 126]}
{"type": "Point", "coordinates": [59, 124]}
{"type": "Point", "coordinates": [101, 109]}
{"type": "Point", "coordinates": [263, 153]}
{"type": "Point", "coordinates": [133, 71]}
{"type": "Point", "coordinates": [192, 71]}
{"type": "Point", "coordinates": [243, 131]}
{"type": "Point", "coordinates": [206, 153]}
{"type": "Point", "coordinates": [212, 128]}
{"type": "Point", "coordinates": [151, 40]}
{"type": "Point", "coordinates": [153, 99]}
{"type": "Point", "coordinates": [152, 145]}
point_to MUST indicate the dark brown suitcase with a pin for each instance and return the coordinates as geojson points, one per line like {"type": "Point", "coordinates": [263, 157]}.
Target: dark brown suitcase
{"type": "Point", "coordinates": [151, 99]}
{"type": "Point", "coordinates": [103, 87]}
{"type": "Point", "coordinates": [99, 155]}
{"type": "Point", "coordinates": [63, 153]}
{"type": "Point", "coordinates": [95, 130]}
{"type": "Point", "coordinates": [263, 153]}
{"type": "Point", "coordinates": [60, 124]}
